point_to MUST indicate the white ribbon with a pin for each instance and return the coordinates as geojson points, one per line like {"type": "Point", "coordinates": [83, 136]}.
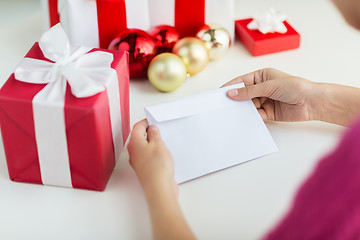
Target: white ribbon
{"type": "Point", "coordinates": [79, 19]}
{"type": "Point", "coordinates": [269, 21]}
{"type": "Point", "coordinates": [87, 74]}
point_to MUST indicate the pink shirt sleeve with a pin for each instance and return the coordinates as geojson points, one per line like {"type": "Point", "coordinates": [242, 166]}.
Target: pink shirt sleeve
{"type": "Point", "coordinates": [327, 205]}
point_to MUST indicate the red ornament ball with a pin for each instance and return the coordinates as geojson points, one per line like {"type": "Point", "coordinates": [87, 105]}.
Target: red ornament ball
{"type": "Point", "coordinates": [141, 47]}
{"type": "Point", "coordinates": [165, 37]}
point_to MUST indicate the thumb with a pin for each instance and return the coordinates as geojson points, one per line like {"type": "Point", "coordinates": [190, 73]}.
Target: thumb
{"type": "Point", "coordinates": [249, 92]}
{"type": "Point", "coordinates": [153, 134]}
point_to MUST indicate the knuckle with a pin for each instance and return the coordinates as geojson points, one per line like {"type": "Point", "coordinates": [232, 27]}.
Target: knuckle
{"type": "Point", "coordinates": [269, 69]}
{"type": "Point", "coordinates": [131, 162]}
{"type": "Point", "coordinates": [248, 91]}
{"type": "Point", "coordinates": [267, 73]}
{"type": "Point", "coordinates": [130, 147]}
{"type": "Point", "coordinates": [135, 128]}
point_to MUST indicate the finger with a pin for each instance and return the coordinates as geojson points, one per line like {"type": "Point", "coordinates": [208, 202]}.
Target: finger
{"type": "Point", "coordinates": [250, 78]}
{"type": "Point", "coordinates": [253, 91]}
{"type": "Point", "coordinates": [256, 102]}
{"type": "Point", "coordinates": [138, 134]}
{"type": "Point", "coordinates": [256, 77]}
{"type": "Point", "coordinates": [140, 128]}
{"type": "Point", "coordinates": [269, 108]}
{"type": "Point", "coordinates": [236, 80]}
{"type": "Point", "coordinates": [263, 114]}
{"type": "Point", "coordinates": [263, 100]}
{"type": "Point", "coordinates": [153, 134]}
{"type": "Point", "coordinates": [246, 79]}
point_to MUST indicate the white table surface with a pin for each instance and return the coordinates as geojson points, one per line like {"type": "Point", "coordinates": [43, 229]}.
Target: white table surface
{"type": "Point", "coordinates": [241, 202]}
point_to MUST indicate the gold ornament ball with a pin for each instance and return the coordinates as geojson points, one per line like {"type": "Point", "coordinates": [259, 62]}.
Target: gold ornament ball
{"type": "Point", "coordinates": [217, 39]}
{"type": "Point", "coordinates": [167, 72]}
{"type": "Point", "coordinates": [194, 54]}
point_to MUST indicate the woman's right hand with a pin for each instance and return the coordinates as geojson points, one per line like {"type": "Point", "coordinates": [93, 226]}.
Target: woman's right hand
{"type": "Point", "coordinates": [277, 95]}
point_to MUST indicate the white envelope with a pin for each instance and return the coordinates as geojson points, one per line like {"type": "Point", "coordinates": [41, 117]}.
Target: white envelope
{"type": "Point", "coordinates": [209, 132]}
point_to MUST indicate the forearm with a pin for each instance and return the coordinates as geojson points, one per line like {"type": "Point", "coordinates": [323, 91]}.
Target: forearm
{"type": "Point", "coordinates": [168, 221]}
{"type": "Point", "coordinates": [335, 103]}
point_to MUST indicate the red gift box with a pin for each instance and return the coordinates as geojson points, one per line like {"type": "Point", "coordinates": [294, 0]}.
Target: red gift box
{"type": "Point", "coordinates": [95, 23]}
{"type": "Point", "coordinates": [188, 16]}
{"type": "Point", "coordinates": [88, 128]}
{"type": "Point", "coordinates": [258, 43]}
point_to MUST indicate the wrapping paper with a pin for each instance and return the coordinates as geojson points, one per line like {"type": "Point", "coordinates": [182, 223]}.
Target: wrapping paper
{"type": "Point", "coordinates": [63, 121]}
{"type": "Point", "coordinates": [94, 23]}
{"type": "Point", "coordinates": [190, 15]}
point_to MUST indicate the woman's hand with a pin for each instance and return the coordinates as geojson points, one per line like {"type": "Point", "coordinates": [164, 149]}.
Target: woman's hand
{"type": "Point", "coordinates": [154, 167]}
{"type": "Point", "coordinates": [281, 97]}
{"type": "Point", "coordinates": [150, 159]}
{"type": "Point", "coordinates": [277, 96]}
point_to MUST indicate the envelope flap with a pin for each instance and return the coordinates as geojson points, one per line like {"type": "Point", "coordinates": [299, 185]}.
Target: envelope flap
{"type": "Point", "coordinates": [189, 106]}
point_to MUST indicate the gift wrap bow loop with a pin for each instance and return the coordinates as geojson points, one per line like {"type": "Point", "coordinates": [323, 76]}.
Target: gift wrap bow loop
{"type": "Point", "coordinates": [87, 74]}
{"type": "Point", "coordinates": [269, 21]}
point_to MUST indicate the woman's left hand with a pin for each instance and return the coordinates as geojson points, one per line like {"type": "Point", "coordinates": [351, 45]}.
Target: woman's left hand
{"type": "Point", "coordinates": [151, 159]}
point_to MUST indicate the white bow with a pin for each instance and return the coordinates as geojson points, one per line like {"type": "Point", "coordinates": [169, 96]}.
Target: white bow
{"type": "Point", "coordinates": [87, 75]}
{"type": "Point", "coordinates": [269, 21]}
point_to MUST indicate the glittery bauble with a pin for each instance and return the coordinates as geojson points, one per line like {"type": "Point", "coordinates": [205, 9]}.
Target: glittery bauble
{"type": "Point", "coordinates": [165, 37]}
{"type": "Point", "coordinates": [141, 47]}
{"type": "Point", "coordinates": [194, 54]}
{"type": "Point", "coordinates": [167, 72]}
{"type": "Point", "coordinates": [217, 39]}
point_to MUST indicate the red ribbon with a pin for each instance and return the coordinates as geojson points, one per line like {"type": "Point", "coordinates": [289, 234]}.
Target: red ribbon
{"type": "Point", "coordinates": [53, 12]}
{"type": "Point", "coordinates": [189, 16]}
{"type": "Point", "coordinates": [111, 20]}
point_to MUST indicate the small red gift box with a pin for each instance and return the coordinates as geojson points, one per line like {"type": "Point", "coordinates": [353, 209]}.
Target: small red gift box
{"type": "Point", "coordinates": [90, 144]}
{"type": "Point", "coordinates": [258, 43]}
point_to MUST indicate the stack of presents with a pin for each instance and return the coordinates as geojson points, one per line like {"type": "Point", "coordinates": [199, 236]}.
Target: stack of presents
{"type": "Point", "coordinates": [65, 110]}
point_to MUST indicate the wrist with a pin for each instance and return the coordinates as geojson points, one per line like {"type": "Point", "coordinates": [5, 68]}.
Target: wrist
{"type": "Point", "coordinates": [317, 102]}
{"type": "Point", "coordinates": [159, 186]}
{"type": "Point", "coordinates": [334, 103]}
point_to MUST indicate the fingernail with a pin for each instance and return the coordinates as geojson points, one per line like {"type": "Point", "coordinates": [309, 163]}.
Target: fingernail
{"type": "Point", "coordinates": [233, 93]}
{"type": "Point", "coordinates": [153, 128]}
